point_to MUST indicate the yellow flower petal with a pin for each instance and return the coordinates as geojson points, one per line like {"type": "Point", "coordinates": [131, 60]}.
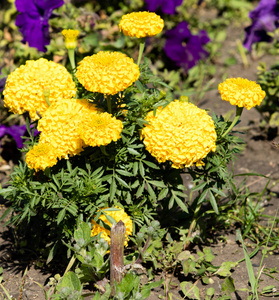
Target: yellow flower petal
{"type": "Point", "coordinates": [117, 215]}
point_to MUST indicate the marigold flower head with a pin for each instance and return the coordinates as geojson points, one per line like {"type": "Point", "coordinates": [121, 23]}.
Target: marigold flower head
{"type": "Point", "coordinates": [60, 123]}
{"type": "Point", "coordinates": [24, 90]}
{"type": "Point", "coordinates": [181, 133]}
{"type": "Point", "coordinates": [41, 156]}
{"type": "Point", "coordinates": [70, 37]}
{"type": "Point", "coordinates": [241, 92]}
{"type": "Point", "coordinates": [117, 215]}
{"type": "Point", "coordinates": [100, 129]}
{"type": "Point", "coordinates": [141, 24]}
{"type": "Point", "coordinates": [107, 72]}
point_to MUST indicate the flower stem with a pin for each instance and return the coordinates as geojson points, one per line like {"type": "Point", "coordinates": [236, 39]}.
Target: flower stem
{"type": "Point", "coordinates": [109, 103]}
{"type": "Point", "coordinates": [235, 120]}
{"type": "Point", "coordinates": [192, 226]}
{"type": "Point", "coordinates": [71, 54]}
{"type": "Point", "coordinates": [141, 48]}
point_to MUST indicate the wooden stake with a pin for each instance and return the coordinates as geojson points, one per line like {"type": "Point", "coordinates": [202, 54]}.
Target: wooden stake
{"type": "Point", "coordinates": [116, 254]}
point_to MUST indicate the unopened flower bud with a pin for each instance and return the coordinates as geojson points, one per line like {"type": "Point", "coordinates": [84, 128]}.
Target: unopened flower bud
{"type": "Point", "coordinates": [70, 37]}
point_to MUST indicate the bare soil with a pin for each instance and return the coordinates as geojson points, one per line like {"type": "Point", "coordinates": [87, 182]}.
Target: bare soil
{"type": "Point", "coordinates": [259, 156]}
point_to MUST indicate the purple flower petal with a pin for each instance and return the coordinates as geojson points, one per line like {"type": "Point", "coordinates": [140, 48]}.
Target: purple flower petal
{"type": "Point", "coordinates": [2, 83]}
{"type": "Point", "coordinates": [33, 21]}
{"type": "Point", "coordinates": [167, 6]}
{"type": "Point", "coordinates": [17, 132]}
{"type": "Point", "coordinates": [184, 48]}
{"type": "Point", "coordinates": [265, 18]}
{"type": "Point", "coordinates": [2, 130]}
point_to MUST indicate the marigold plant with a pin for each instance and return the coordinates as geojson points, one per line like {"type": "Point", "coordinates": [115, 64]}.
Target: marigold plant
{"type": "Point", "coordinates": [181, 133]}
{"type": "Point", "coordinates": [107, 72]}
{"type": "Point", "coordinates": [141, 24]}
{"type": "Point", "coordinates": [25, 87]}
{"type": "Point", "coordinates": [118, 215]}
{"type": "Point", "coordinates": [241, 92]}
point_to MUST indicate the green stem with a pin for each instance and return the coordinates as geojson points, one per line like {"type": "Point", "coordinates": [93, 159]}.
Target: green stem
{"type": "Point", "coordinates": [141, 48]}
{"type": "Point", "coordinates": [242, 53]}
{"type": "Point", "coordinates": [235, 120]}
{"type": "Point", "coordinates": [71, 54]}
{"type": "Point", "coordinates": [192, 225]}
{"type": "Point", "coordinates": [109, 103]}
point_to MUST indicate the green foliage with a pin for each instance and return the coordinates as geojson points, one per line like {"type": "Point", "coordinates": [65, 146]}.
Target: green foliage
{"type": "Point", "coordinates": [269, 80]}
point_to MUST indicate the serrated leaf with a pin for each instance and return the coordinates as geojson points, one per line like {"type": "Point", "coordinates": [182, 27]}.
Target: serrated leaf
{"type": "Point", "coordinates": [112, 189]}
{"type": "Point", "coordinates": [213, 203]}
{"type": "Point", "coordinates": [133, 151]}
{"type": "Point", "coordinates": [61, 215]}
{"type": "Point", "coordinates": [163, 194]}
{"type": "Point", "coordinates": [139, 86]}
{"type": "Point", "coordinates": [151, 164]}
{"type": "Point", "coordinates": [151, 192]}
{"type": "Point", "coordinates": [157, 183]}
{"type": "Point", "coordinates": [179, 202]}
{"type": "Point", "coordinates": [141, 169]}
{"type": "Point", "coordinates": [121, 181]}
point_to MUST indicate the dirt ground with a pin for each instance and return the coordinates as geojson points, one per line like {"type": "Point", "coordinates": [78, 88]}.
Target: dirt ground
{"type": "Point", "coordinates": [259, 156]}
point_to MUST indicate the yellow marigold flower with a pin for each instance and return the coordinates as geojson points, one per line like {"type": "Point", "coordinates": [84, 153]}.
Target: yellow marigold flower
{"type": "Point", "coordinates": [41, 156]}
{"type": "Point", "coordinates": [181, 133]}
{"type": "Point", "coordinates": [25, 87]}
{"type": "Point", "coordinates": [107, 72]}
{"type": "Point", "coordinates": [241, 92]}
{"type": "Point", "coordinates": [60, 123]}
{"type": "Point", "coordinates": [117, 215]}
{"type": "Point", "coordinates": [100, 129]}
{"type": "Point", "coordinates": [141, 24]}
{"type": "Point", "coordinates": [70, 37]}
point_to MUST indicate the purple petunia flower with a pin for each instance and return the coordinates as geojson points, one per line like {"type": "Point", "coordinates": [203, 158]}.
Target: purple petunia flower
{"type": "Point", "coordinates": [33, 21]}
{"type": "Point", "coordinates": [265, 18]}
{"type": "Point", "coordinates": [167, 6]}
{"type": "Point", "coordinates": [2, 83]}
{"type": "Point", "coordinates": [184, 48]}
{"type": "Point", "coordinates": [16, 132]}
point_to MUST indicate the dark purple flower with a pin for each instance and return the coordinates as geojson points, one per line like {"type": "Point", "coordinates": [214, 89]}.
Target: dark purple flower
{"type": "Point", "coordinates": [16, 132]}
{"type": "Point", "coordinates": [184, 48]}
{"type": "Point", "coordinates": [2, 83]}
{"type": "Point", "coordinates": [33, 21]}
{"type": "Point", "coordinates": [265, 18]}
{"type": "Point", "coordinates": [167, 6]}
